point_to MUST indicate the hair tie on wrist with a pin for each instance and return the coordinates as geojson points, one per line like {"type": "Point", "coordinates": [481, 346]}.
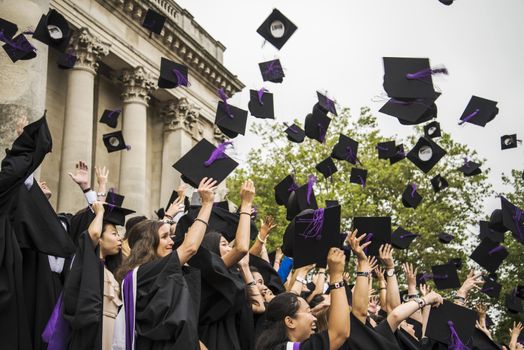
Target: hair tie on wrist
{"type": "Point", "coordinates": [245, 213]}
{"type": "Point", "coordinates": [202, 221]}
{"type": "Point", "coordinates": [263, 241]}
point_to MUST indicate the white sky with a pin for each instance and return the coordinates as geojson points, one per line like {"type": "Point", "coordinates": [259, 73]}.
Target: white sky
{"type": "Point", "coordinates": [339, 47]}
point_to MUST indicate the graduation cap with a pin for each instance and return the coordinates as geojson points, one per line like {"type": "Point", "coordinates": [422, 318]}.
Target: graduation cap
{"type": "Point", "coordinates": [451, 324]}
{"type": "Point", "coordinates": [445, 276]}
{"type": "Point", "coordinates": [284, 189]}
{"type": "Point", "coordinates": [277, 29]}
{"type": "Point", "coordinates": [316, 124]}
{"type": "Point", "coordinates": [479, 111]}
{"type": "Point", "coordinates": [332, 203]}
{"type": "Point", "coordinates": [409, 78]}
{"type": "Point", "coordinates": [53, 30]}
{"type": "Point", "coordinates": [301, 199]}
{"type": "Point", "coordinates": [271, 277]}
{"type": "Point", "coordinates": [457, 262]}
{"type": "Point", "coordinates": [327, 167]}
{"type": "Point", "coordinates": [508, 141]}
{"type": "Point", "coordinates": [261, 104]}
{"type": "Point", "coordinates": [386, 149]}
{"type": "Point", "coordinates": [230, 120]}
{"type": "Point", "coordinates": [67, 60]}
{"type": "Point", "coordinates": [377, 230]}
{"type": "Point", "coordinates": [520, 291]}
{"type": "Point", "coordinates": [161, 212]}
{"type": "Point", "coordinates": [295, 134]}
{"type": "Point", "coordinates": [327, 104]}
{"type": "Point", "coordinates": [513, 219]}
{"type": "Point", "coordinates": [439, 183]}
{"type": "Point", "coordinates": [205, 160]}
{"type": "Point", "coordinates": [316, 231]}
{"type": "Point", "coordinates": [432, 130]}
{"type": "Point", "coordinates": [288, 239]}
{"type": "Point", "coordinates": [489, 255]}
{"type": "Point", "coordinates": [358, 176]}
{"type": "Point", "coordinates": [513, 303]}
{"type": "Point", "coordinates": [491, 288]}
{"type": "Point", "coordinates": [426, 154]}
{"type": "Point", "coordinates": [487, 233]}
{"type": "Point", "coordinates": [470, 168]}
{"type": "Point", "coordinates": [114, 212]}
{"type": "Point", "coordinates": [411, 111]}
{"type": "Point", "coordinates": [345, 149]}
{"type": "Point", "coordinates": [402, 238]}
{"type": "Point", "coordinates": [7, 29]}
{"type": "Point", "coordinates": [110, 117]}
{"type": "Point", "coordinates": [446, 2]}
{"type": "Point", "coordinates": [114, 141]}
{"type": "Point", "coordinates": [496, 221]}
{"type": "Point", "coordinates": [172, 74]}
{"type": "Point", "coordinates": [154, 21]}
{"type": "Point", "coordinates": [399, 155]}
{"type": "Point", "coordinates": [445, 237]}
{"type": "Point", "coordinates": [19, 48]}
{"type": "Point", "coordinates": [272, 71]}
{"type": "Point", "coordinates": [410, 197]}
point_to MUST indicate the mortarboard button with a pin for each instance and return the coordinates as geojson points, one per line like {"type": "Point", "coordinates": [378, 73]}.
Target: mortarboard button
{"type": "Point", "coordinates": [67, 60]}
{"type": "Point", "coordinates": [284, 189]}
{"type": "Point", "coordinates": [513, 219]}
{"type": "Point", "coordinates": [508, 141]}
{"type": "Point", "coordinates": [386, 149]}
{"type": "Point", "coordinates": [479, 111]}
{"type": "Point", "coordinates": [399, 155]}
{"type": "Point", "coordinates": [445, 276]}
{"type": "Point", "coordinates": [205, 160]}
{"type": "Point", "coordinates": [316, 124]}
{"type": "Point", "coordinates": [295, 134]}
{"type": "Point", "coordinates": [19, 48]}
{"type": "Point", "coordinates": [154, 21]}
{"type": "Point", "coordinates": [172, 74]}
{"type": "Point", "coordinates": [53, 30]}
{"type": "Point", "coordinates": [439, 183]}
{"type": "Point", "coordinates": [491, 288]}
{"type": "Point", "coordinates": [489, 255]}
{"type": "Point", "coordinates": [345, 149]}
{"type": "Point", "coordinates": [110, 117]}
{"type": "Point", "coordinates": [358, 176]}
{"type": "Point", "coordinates": [327, 104]}
{"type": "Point", "coordinates": [496, 221]}
{"type": "Point", "coordinates": [432, 130]}
{"type": "Point", "coordinates": [426, 154]}
{"type": "Point", "coordinates": [470, 168]}
{"type": "Point", "coordinates": [451, 324]}
{"type": "Point", "coordinates": [114, 141]}
{"type": "Point", "coordinates": [487, 233]}
{"type": "Point", "coordinates": [277, 29]}
{"type": "Point", "coordinates": [272, 71]}
{"type": "Point", "coordinates": [377, 230]}
{"type": "Point", "coordinates": [327, 167]}
{"type": "Point", "coordinates": [513, 303]}
{"type": "Point", "coordinates": [410, 197]}
{"type": "Point", "coordinates": [230, 120]}
{"type": "Point", "coordinates": [445, 237]}
{"type": "Point", "coordinates": [261, 104]}
{"type": "Point", "coordinates": [401, 238]}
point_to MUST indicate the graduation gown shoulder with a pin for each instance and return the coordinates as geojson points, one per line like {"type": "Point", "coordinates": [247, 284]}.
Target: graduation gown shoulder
{"type": "Point", "coordinates": [364, 337]}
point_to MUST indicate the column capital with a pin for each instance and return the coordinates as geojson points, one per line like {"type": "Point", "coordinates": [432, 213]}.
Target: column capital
{"type": "Point", "coordinates": [182, 115]}
{"type": "Point", "coordinates": [138, 84]}
{"type": "Point", "coordinates": [88, 49]}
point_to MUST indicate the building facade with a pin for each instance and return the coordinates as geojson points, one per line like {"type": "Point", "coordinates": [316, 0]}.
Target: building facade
{"type": "Point", "coordinates": [117, 68]}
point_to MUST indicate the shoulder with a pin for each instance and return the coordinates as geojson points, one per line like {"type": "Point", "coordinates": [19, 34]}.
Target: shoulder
{"type": "Point", "coordinates": [317, 341]}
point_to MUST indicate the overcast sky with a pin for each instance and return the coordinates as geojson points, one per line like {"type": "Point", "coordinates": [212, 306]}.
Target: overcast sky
{"type": "Point", "coordinates": [339, 47]}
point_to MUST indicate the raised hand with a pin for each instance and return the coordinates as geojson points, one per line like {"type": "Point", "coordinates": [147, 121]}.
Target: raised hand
{"type": "Point", "coordinates": [372, 262]}
{"type": "Point", "coordinates": [206, 190]}
{"type": "Point", "coordinates": [21, 123]}
{"type": "Point", "coordinates": [386, 256]}
{"type": "Point", "coordinates": [266, 226]}
{"type": "Point", "coordinates": [515, 331]}
{"type": "Point", "coordinates": [181, 190]}
{"type": "Point", "coordinates": [81, 175]}
{"type": "Point", "coordinates": [473, 280]}
{"type": "Point", "coordinates": [434, 299]}
{"type": "Point", "coordinates": [410, 273]}
{"type": "Point", "coordinates": [98, 207]}
{"type": "Point", "coordinates": [101, 176]}
{"type": "Point", "coordinates": [336, 261]}
{"type": "Point", "coordinates": [175, 207]}
{"type": "Point", "coordinates": [425, 289]}
{"type": "Point", "coordinates": [358, 249]}
{"type": "Point", "coordinates": [379, 272]}
{"type": "Point", "coordinates": [247, 192]}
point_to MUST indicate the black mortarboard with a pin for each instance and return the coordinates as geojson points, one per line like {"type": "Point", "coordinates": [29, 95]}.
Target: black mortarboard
{"type": "Point", "coordinates": [288, 239]}
{"type": "Point", "coordinates": [377, 229]}
{"type": "Point", "coordinates": [508, 141]}
{"type": "Point", "coordinates": [271, 277]}
{"type": "Point", "coordinates": [410, 197]}
{"type": "Point", "coordinates": [8, 29]}
{"type": "Point", "coordinates": [298, 201]}
{"type": "Point", "coordinates": [470, 168]}
{"type": "Point", "coordinates": [114, 199]}
{"type": "Point", "coordinates": [261, 104]}
{"type": "Point", "coordinates": [316, 124]}
{"type": "Point", "coordinates": [230, 120]}
{"type": "Point", "coordinates": [277, 29]}
{"type": "Point", "coordinates": [345, 149]}
{"type": "Point", "coordinates": [358, 176]}
{"type": "Point", "coordinates": [53, 30]}
{"type": "Point", "coordinates": [19, 48]}
{"type": "Point", "coordinates": [520, 291]}
{"type": "Point", "coordinates": [479, 111]}
{"type": "Point", "coordinates": [439, 183]}
{"type": "Point", "coordinates": [223, 204]}
{"type": "Point", "coordinates": [496, 221]}
{"type": "Point", "coordinates": [404, 78]}
{"type": "Point", "coordinates": [332, 203]}
{"type": "Point", "coordinates": [445, 276]}
{"type": "Point", "coordinates": [446, 2]}
{"type": "Point", "coordinates": [110, 117]}
{"type": "Point", "coordinates": [432, 130]}
{"type": "Point", "coordinates": [272, 71]}
{"type": "Point", "coordinates": [488, 233]}
{"type": "Point", "coordinates": [448, 315]}
{"type": "Point", "coordinates": [482, 341]}
{"type": "Point", "coordinates": [426, 154]}
{"type": "Point", "coordinates": [399, 154]}
{"type": "Point", "coordinates": [513, 303]}
{"type": "Point", "coordinates": [401, 238]}
{"type": "Point", "coordinates": [491, 288]}
{"type": "Point", "coordinates": [489, 255]}
{"type": "Point", "coordinates": [445, 238]}
{"type": "Point", "coordinates": [154, 21]}
{"type": "Point", "coordinates": [513, 219]}
{"type": "Point", "coordinates": [457, 262]}
{"type": "Point", "coordinates": [114, 141]}
{"type": "Point", "coordinates": [284, 189]}
{"type": "Point", "coordinates": [295, 133]}
{"type": "Point", "coordinates": [193, 166]}
{"type": "Point", "coordinates": [386, 149]}
{"type": "Point", "coordinates": [114, 213]}
{"type": "Point", "coordinates": [412, 111]}
{"type": "Point", "coordinates": [66, 60]}
{"type": "Point", "coordinates": [172, 74]}
{"type": "Point", "coordinates": [316, 231]}
{"type": "Point", "coordinates": [327, 104]}
{"type": "Point", "coordinates": [327, 167]}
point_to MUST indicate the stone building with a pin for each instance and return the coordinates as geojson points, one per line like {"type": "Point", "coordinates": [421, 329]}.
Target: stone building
{"type": "Point", "coordinates": [118, 67]}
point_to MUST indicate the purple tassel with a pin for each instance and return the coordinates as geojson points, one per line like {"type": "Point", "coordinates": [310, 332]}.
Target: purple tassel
{"type": "Point", "coordinates": [273, 69]}
{"type": "Point", "coordinates": [130, 309]}
{"type": "Point", "coordinates": [362, 181]}
{"type": "Point", "coordinates": [315, 224]}
{"type": "Point", "coordinates": [350, 155]}
{"type": "Point", "coordinates": [20, 44]}
{"type": "Point", "coordinates": [428, 276]}
{"type": "Point", "coordinates": [407, 235]}
{"type": "Point", "coordinates": [312, 180]}
{"type": "Point", "coordinates": [425, 277]}
{"type": "Point", "coordinates": [128, 147]}
{"type": "Point", "coordinates": [321, 133]}
{"type": "Point", "coordinates": [440, 277]}
{"type": "Point", "coordinates": [468, 117]}
{"type": "Point", "coordinates": [254, 213]}
{"type": "Point", "coordinates": [223, 97]}
{"type": "Point", "coordinates": [112, 200]}
{"type": "Point", "coordinates": [368, 238]}
{"type": "Point", "coordinates": [456, 343]}
{"type": "Point", "coordinates": [382, 148]}
{"type": "Point", "coordinates": [180, 78]}
{"type": "Point", "coordinates": [484, 290]}
{"type": "Point", "coordinates": [293, 187]}
{"type": "Point", "coordinates": [414, 189]}
{"type": "Point", "coordinates": [56, 332]}
{"type": "Point", "coordinates": [497, 249]}
{"type": "Point", "coordinates": [110, 115]}
{"type": "Point", "coordinates": [218, 153]}
{"type": "Point", "coordinates": [424, 73]}
{"type": "Point", "coordinates": [260, 94]}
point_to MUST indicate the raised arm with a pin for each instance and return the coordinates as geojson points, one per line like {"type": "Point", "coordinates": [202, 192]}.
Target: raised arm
{"type": "Point", "coordinates": [241, 247]}
{"type": "Point", "coordinates": [473, 280]}
{"type": "Point", "coordinates": [102, 174]}
{"type": "Point", "coordinates": [338, 318]}
{"type": "Point", "coordinates": [266, 226]}
{"type": "Point", "coordinates": [256, 299]}
{"type": "Point", "coordinates": [403, 311]}
{"type": "Point", "coordinates": [361, 291]}
{"type": "Point", "coordinates": [411, 279]}
{"type": "Point", "coordinates": [320, 280]}
{"type": "Point", "coordinates": [298, 278]}
{"type": "Point", "coordinates": [379, 272]}
{"type": "Point", "coordinates": [392, 292]}
{"type": "Point", "coordinates": [196, 232]}
{"type": "Point", "coordinates": [96, 226]}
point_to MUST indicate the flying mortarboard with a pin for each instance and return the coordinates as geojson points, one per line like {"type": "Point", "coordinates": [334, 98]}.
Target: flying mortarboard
{"type": "Point", "coordinates": [172, 74]}
{"type": "Point", "coordinates": [401, 238]}
{"type": "Point", "coordinates": [513, 303]}
{"type": "Point", "coordinates": [377, 230]}
{"type": "Point", "coordinates": [491, 288]}
{"type": "Point", "coordinates": [53, 30]}
{"type": "Point", "coordinates": [345, 149]}
{"type": "Point", "coordinates": [411, 111]}
{"type": "Point", "coordinates": [114, 212]}
{"type": "Point", "coordinates": [470, 168]}
{"type": "Point", "coordinates": [358, 176]}
{"type": "Point", "coordinates": [451, 324]}
{"type": "Point", "coordinates": [114, 141]}
{"type": "Point", "coordinates": [426, 154]}
{"type": "Point", "coordinates": [261, 104]}
{"type": "Point", "coordinates": [439, 183]}
{"type": "Point", "coordinates": [110, 117]}
{"type": "Point", "coordinates": [154, 21]}
{"type": "Point", "coordinates": [445, 276]}
{"type": "Point", "coordinates": [496, 221]}
{"type": "Point", "coordinates": [19, 48]}
{"type": "Point", "coordinates": [230, 120]}
{"type": "Point", "coordinates": [284, 189]}
{"type": "Point", "coordinates": [295, 134]}
{"type": "Point", "coordinates": [399, 154]}
{"type": "Point", "coordinates": [410, 197]}
{"type": "Point", "coordinates": [277, 29]}
{"type": "Point", "coordinates": [513, 219]}
{"type": "Point", "coordinates": [8, 29]}
{"type": "Point", "coordinates": [67, 60]}
{"type": "Point", "coordinates": [272, 71]}
{"type": "Point", "coordinates": [432, 130]}
{"type": "Point", "coordinates": [479, 111]}
{"type": "Point", "coordinates": [327, 104]}
{"type": "Point", "coordinates": [508, 141]}
{"type": "Point", "coordinates": [445, 238]}
{"type": "Point", "coordinates": [327, 167]}
{"type": "Point", "coordinates": [489, 255]}
{"type": "Point", "coordinates": [316, 124]}
{"type": "Point", "coordinates": [487, 233]}
{"type": "Point", "coordinates": [386, 149]}
{"type": "Point", "coordinates": [301, 199]}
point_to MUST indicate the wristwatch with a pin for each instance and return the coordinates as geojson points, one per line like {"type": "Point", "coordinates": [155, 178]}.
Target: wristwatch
{"type": "Point", "coordinates": [300, 280]}
{"type": "Point", "coordinates": [336, 285]}
{"type": "Point", "coordinates": [420, 301]}
{"type": "Point", "coordinates": [387, 273]}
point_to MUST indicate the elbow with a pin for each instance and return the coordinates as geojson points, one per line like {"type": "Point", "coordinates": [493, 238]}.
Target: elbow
{"type": "Point", "coordinates": [360, 314]}
{"type": "Point", "coordinates": [190, 249]}
{"type": "Point", "coordinates": [394, 319]}
{"type": "Point", "coordinates": [242, 250]}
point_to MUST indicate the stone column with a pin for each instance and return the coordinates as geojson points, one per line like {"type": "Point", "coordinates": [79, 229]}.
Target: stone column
{"type": "Point", "coordinates": [79, 108]}
{"type": "Point", "coordinates": [135, 97]}
{"type": "Point", "coordinates": [182, 128]}
{"type": "Point", "coordinates": [22, 84]}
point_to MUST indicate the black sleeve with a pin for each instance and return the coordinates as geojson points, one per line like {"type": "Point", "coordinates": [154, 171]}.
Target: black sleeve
{"type": "Point", "coordinates": [317, 341]}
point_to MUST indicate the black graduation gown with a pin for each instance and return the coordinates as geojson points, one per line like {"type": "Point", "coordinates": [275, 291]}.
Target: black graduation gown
{"type": "Point", "coordinates": [318, 341]}
{"type": "Point", "coordinates": [167, 305]}
{"type": "Point", "coordinates": [365, 337]}
{"type": "Point", "coordinates": [27, 221]}
{"type": "Point", "coordinates": [406, 341]}
{"type": "Point", "coordinates": [481, 341]}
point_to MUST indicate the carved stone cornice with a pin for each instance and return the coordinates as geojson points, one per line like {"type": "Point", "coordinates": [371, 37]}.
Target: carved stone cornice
{"type": "Point", "coordinates": [88, 49]}
{"type": "Point", "coordinates": [183, 115]}
{"type": "Point", "coordinates": [138, 84]}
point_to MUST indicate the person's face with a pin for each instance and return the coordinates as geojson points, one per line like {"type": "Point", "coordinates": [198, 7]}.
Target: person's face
{"type": "Point", "coordinates": [224, 246]}
{"type": "Point", "coordinates": [303, 324]}
{"type": "Point", "coordinates": [165, 246]}
{"type": "Point", "coordinates": [45, 189]}
{"type": "Point", "coordinates": [110, 242]}
{"type": "Point", "coordinates": [260, 283]}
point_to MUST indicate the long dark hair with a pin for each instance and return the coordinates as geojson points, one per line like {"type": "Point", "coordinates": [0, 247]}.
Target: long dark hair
{"type": "Point", "coordinates": [211, 242]}
{"type": "Point", "coordinates": [112, 262]}
{"type": "Point", "coordinates": [143, 240]}
{"type": "Point", "coordinates": [275, 333]}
